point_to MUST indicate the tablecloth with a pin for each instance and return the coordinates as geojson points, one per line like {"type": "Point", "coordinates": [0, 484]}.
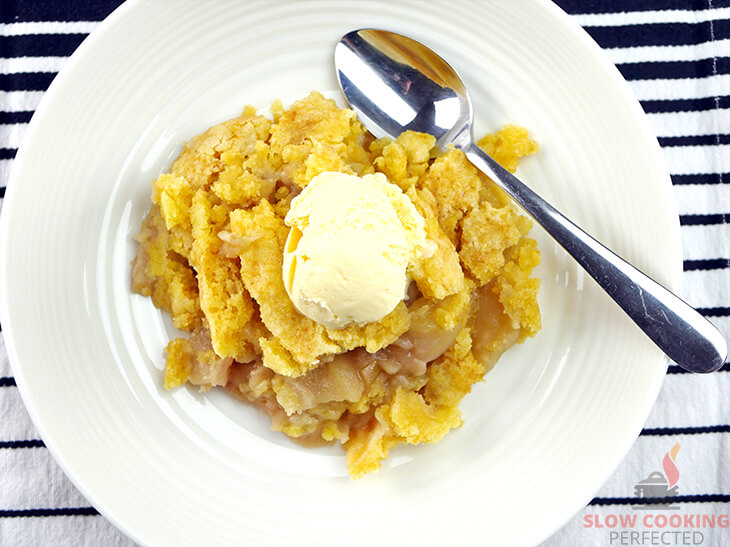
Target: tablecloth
{"type": "Point", "coordinates": [676, 56]}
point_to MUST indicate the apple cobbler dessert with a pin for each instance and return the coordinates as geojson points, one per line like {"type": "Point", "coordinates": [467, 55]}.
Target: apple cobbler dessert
{"type": "Point", "coordinates": [212, 250]}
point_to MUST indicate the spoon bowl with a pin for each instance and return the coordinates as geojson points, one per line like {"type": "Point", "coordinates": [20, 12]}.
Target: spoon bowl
{"type": "Point", "coordinates": [422, 91]}
{"type": "Point", "coordinates": [395, 84]}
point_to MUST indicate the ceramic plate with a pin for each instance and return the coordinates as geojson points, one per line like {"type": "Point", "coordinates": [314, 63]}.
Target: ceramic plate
{"type": "Point", "coordinates": [542, 433]}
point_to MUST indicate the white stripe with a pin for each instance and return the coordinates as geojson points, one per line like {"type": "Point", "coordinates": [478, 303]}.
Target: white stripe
{"type": "Point", "coordinates": [674, 409]}
{"type": "Point", "coordinates": [21, 427]}
{"type": "Point", "coordinates": [15, 65]}
{"type": "Point", "coordinates": [706, 289]}
{"type": "Point", "coordinates": [702, 242]}
{"type": "Point", "coordinates": [685, 88]}
{"type": "Point", "coordinates": [705, 50]}
{"type": "Point", "coordinates": [5, 166]}
{"type": "Point", "coordinates": [47, 27]}
{"type": "Point", "coordinates": [681, 124]}
{"type": "Point", "coordinates": [20, 101]}
{"type": "Point", "coordinates": [96, 530]}
{"type": "Point", "coordinates": [689, 160]}
{"type": "Point", "coordinates": [5, 369]}
{"type": "Point", "coordinates": [708, 199]}
{"type": "Point", "coordinates": [12, 134]}
{"type": "Point", "coordinates": [648, 17]}
{"type": "Point", "coordinates": [17, 492]}
{"type": "Point", "coordinates": [698, 473]}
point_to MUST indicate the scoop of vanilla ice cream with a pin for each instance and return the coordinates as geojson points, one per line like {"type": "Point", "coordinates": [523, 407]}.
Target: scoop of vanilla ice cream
{"type": "Point", "coordinates": [352, 244]}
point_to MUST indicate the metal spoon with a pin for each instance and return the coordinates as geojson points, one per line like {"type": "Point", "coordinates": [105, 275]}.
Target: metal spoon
{"type": "Point", "coordinates": [395, 83]}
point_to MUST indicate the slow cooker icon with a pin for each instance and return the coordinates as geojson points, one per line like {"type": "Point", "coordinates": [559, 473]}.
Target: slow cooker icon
{"type": "Point", "coordinates": [655, 485]}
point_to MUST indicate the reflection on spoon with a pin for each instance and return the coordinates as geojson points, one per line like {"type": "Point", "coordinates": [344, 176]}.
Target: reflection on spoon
{"type": "Point", "coordinates": [395, 84]}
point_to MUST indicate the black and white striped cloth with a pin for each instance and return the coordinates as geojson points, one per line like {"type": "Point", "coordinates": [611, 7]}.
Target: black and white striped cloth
{"type": "Point", "coordinates": [676, 56]}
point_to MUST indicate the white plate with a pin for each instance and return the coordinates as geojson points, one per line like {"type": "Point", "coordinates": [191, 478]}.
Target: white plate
{"type": "Point", "coordinates": [544, 430]}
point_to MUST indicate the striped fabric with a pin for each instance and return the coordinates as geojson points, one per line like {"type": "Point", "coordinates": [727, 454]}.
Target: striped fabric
{"type": "Point", "coordinates": [676, 56]}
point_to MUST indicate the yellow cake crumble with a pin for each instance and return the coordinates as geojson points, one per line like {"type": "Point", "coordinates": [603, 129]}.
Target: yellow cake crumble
{"type": "Point", "coordinates": [210, 254]}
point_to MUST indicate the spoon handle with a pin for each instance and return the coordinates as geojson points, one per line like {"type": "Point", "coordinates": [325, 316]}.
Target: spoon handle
{"type": "Point", "coordinates": [681, 332]}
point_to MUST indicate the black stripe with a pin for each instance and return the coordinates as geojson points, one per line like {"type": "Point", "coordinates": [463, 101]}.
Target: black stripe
{"type": "Point", "coordinates": [41, 10]}
{"type": "Point", "coordinates": [33, 443]}
{"type": "Point", "coordinates": [665, 431]}
{"type": "Point", "coordinates": [660, 34]}
{"type": "Point", "coordinates": [704, 220]}
{"type": "Point", "coordinates": [26, 81]}
{"type": "Point", "coordinates": [672, 70]}
{"type": "Point", "coordinates": [685, 105]}
{"type": "Point", "coordinates": [2, 192]}
{"type": "Point", "coordinates": [694, 140]}
{"type": "Point", "coordinates": [674, 369]}
{"type": "Point", "coordinates": [57, 512]}
{"type": "Point", "coordinates": [616, 6]}
{"type": "Point", "coordinates": [16, 117]}
{"type": "Point", "coordinates": [697, 498]}
{"type": "Point", "coordinates": [41, 45]}
{"type": "Point", "coordinates": [6, 381]}
{"type": "Point", "coordinates": [7, 153]}
{"type": "Point", "coordinates": [702, 178]}
{"type": "Point", "coordinates": [706, 264]}
{"type": "Point", "coordinates": [714, 312]}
